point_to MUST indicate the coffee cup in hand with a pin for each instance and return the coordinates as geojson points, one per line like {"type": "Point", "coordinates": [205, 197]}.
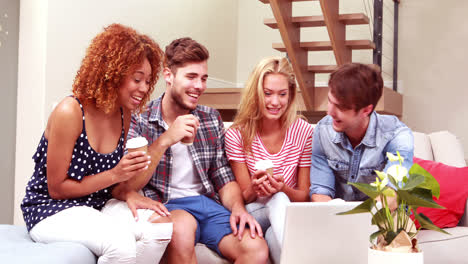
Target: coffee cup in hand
{"type": "Point", "coordinates": [137, 144]}
{"type": "Point", "coordinates": [266, 165]}
{"type": "Point", "coordinates": [189, 139]}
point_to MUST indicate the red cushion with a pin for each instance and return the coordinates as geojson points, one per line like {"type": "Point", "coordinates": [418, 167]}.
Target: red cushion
{"type": "Point", "coordinates": [453, 183]}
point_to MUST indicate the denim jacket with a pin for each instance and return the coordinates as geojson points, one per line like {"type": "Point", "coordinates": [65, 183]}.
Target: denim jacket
{"type": "Point", "coordinates": [335, 162]}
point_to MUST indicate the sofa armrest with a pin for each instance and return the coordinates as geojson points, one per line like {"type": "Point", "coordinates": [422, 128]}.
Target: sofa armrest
{"type": "Point", "coordinates": [464, 219]}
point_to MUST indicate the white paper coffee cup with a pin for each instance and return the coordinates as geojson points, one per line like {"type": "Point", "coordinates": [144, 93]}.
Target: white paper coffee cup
{"type": "Point", "coordinates": [137, 144]}
{"type": "Point", "coordinates": [266, 165]}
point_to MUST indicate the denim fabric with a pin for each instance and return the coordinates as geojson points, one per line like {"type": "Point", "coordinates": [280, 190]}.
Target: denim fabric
{"type": "Point", "coordinates": [212, 219]}
{"type": "Point", "coordinates": [260, 212]}
{"type": "Point", "coordinates": [335, 162]}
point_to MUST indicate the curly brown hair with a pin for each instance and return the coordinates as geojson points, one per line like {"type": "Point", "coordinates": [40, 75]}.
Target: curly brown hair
{"type": "Point", "coordinates": [112, 55]}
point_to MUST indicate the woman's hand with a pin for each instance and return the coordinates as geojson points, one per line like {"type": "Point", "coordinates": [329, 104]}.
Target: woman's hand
{"type": "Point", "coordinates": [137, 201]}
{"type": "Point", "coordinates": [276, 183]}
{"type": "Point", "coordinates": [258, 179]}
{"type": "Point", "coordinates": [272, 185]}
{"type": "Point", "coordinates": [130, 165]}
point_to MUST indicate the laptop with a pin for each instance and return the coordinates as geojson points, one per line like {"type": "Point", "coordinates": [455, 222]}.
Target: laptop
{"type": "Point", "coordinates": [315, 234]}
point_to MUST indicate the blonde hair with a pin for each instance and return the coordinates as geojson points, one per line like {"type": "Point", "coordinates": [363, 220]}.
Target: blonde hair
{"type": "Point", "coordinates": [252, 101]}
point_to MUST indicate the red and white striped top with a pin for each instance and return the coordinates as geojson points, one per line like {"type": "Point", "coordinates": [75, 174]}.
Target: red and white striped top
{"type": "Point", "coordinates": [295, 152]}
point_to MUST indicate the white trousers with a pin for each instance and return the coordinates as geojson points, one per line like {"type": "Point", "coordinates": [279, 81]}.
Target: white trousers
{"type": "Point", "coordinates": [275, 209]}
{"type": "Point", "coordinates": [277, 214]}
{"type": "Point", "coordinates": [112, 234]}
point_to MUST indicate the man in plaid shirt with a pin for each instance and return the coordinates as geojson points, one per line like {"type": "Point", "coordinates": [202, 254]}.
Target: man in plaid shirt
{"type": "Point", "coordinates": [191, 184]}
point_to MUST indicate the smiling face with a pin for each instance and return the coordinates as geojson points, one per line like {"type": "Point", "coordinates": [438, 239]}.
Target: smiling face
{"type": "Point", "coordinates": [186, 85]}
{"type": "Point", "coordinates": [135, 86]}
{"type": "Point", "coordinates": [346, 120]}
{"type": "Point", "coordinates": [276, 96]}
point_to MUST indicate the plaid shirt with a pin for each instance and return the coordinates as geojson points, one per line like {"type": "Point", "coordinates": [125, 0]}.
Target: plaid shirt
{"type": "Point", "coordinates": [207, 151]}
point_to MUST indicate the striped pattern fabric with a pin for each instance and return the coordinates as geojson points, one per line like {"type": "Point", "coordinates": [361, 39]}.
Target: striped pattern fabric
{"type": "Point", "coordinates": [296, 151]}
{"type": "Point", "coordinates": [207, 151]}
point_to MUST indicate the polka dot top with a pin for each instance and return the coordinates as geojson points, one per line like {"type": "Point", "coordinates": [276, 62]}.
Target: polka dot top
{"type": "Point", "coordinates": [37, 204]}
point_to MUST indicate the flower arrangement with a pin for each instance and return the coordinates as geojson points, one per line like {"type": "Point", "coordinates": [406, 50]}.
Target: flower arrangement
{"type": "Point", "coordinates": [411, 189]}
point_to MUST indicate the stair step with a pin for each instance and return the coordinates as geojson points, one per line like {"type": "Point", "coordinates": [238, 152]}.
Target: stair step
{"type": "Point", "coordinates": [331, 68]}
{"type": "Point", "coordinates": [268, 1]}
{"type": "Point", "coordinates": [319, 21]}
{"type": "Point", "coordinates": [322, 68]}
{"type": "Point", "coordinates": [326, 45]}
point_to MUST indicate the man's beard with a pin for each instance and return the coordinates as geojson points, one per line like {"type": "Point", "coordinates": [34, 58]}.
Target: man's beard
{"type": "Point", "coordinates": [180, 103]}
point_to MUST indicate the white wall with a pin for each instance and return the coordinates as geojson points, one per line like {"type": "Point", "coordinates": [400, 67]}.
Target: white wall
{"type": "Point", "coordinates": [72, 25]}
{"type": "Point", "coordinates": [433, 65]}
{"type": "Point", "coordinates": [55, 33]}
{"type": "Point", "coordinates": [31, 93]}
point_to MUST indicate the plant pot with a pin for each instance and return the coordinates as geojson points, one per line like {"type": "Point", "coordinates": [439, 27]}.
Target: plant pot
{"type": "Point", "coordinates": [384, 257]}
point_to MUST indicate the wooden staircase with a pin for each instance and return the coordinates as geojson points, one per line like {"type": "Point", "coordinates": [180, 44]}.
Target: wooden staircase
{"type": "Point", "coordinates": [312, 99]}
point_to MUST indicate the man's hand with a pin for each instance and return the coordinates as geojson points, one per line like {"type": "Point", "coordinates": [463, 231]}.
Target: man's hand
{"type": "Point", "coordinates": [240, 216]}
{"type": "Point", "coordinates": [137, 201]}
{"type": "Point", "coordinates": [391, 201]}
{"type": "Point", "coordinates": [183, 126]}
{"type": "Point", "coordinates": [320, 198]}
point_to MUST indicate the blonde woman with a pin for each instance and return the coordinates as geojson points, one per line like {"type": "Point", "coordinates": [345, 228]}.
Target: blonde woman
{"type": "Point", "coordinates": [267, 127]}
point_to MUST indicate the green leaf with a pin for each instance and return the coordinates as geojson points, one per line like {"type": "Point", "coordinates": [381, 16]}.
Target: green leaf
{"type": "Point", "coordinates": [405, 180]}
{"type": "Point", "coordinates": [390, 236]}
{"type": "Point", "coordinates": [412, 234]}
{"type": "Point", "coordinates": [425, 222]}
{"type": "Point", "coordinates": [392, 180]}
{"type": "Point", "coordinates": [380, 218]}
{"type": "Point", "coordinates": [364, 207]}
{"type": "Point", "coordinates": [418, 197]}
{"type": "Point", "coordinates": [413, 182]}
{"type": "Point", "coordinates": [388, 192]}
{"type": "Point", "coordinates": [367, 189]}
{"type": "Point", "coordinates": [382, 175]}
{"type": "Point", "coordinates": [374, 235]}
{"type": "Point", "coordinates": [429, 183]}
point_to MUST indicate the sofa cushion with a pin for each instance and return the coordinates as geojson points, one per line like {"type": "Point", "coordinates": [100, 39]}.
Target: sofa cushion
{"type": "Point", "coordinates": [206, 255]}
{"type": "Point", "coordinates": [447, 149]}
{"type": "Point", "coordinates": [17, 247]}
{"type": "Point", "coordinates": [453, 183]}
{"type": "Point", "coordinates": [441, 248]}
{"type": "Point", "coordinates": [422, 146]}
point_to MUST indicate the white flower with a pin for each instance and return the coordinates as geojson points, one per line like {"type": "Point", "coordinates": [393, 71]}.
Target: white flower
{"type": "Point", "coordinates": [382, 175]}
{"type": "Point", "coordinates": [393, 158]}
{"type": "Point", "coordinates": [380, 184]}
{"type": "Point", "coordinates": [384, 182]}
{"type": "Point", "coordinates": [397, 172]}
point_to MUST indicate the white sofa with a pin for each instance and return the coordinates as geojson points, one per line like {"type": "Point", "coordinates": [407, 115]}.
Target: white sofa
{"type": "Point", "coordinates": [17, 247]}
{"type": "Point", "coordinates": [443, 147]}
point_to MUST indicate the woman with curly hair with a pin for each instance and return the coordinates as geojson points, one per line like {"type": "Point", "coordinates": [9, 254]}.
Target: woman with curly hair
{"type": "Point", "coordinates": [80, 157]}
{"type": "Point", "coordinates": [268, 129]}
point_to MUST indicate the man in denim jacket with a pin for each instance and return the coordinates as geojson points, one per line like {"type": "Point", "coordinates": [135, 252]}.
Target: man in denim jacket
{"type": "Point", "coordinates": [352, 141]}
